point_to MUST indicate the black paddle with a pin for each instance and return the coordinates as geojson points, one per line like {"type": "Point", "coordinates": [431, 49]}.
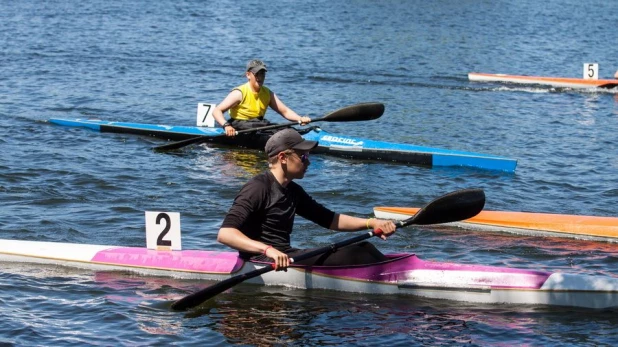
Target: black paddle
{"type": "Point", "coordinates": [358, 112]}
{"type": "Point", "coordinates": [452, 207]}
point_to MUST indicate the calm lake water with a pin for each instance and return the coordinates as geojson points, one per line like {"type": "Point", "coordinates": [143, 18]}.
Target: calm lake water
{"type": "Point", "coordinates": [153, 61]}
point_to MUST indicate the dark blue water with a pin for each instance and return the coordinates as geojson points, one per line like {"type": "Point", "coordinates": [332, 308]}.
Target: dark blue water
{"type": "Point", "coordinates": [153, 61]}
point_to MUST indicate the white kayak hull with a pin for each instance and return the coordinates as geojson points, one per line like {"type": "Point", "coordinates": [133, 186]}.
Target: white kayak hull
{"type": "Point", "coordinates": [403, 274]}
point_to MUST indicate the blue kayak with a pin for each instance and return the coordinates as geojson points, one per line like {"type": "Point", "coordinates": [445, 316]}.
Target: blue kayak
{"type": "Point", "coordinates": [332, 144]}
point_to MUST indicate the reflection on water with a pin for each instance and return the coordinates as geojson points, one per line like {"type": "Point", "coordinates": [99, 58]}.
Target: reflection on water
{"type": "Point", "coordinates": [222, 163]}
{"type": "Point", "coordinates": [261, 320]}
{"type": "Point", "coordinates": [266, 316]}
{"type": "Point", "coordinates": [148, 293]}
{"type": "Point", "coordinates": [589, 110]}
{"type": "Point", "coordinates": [270, 316]}
{"type": "Point", "coordinates": [250, 162]}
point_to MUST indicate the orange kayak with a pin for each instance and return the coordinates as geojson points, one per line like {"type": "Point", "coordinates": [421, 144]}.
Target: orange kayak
{"type": "Point", "coordinates": [585, 227]}
{"type": "Point", "coordinates": [563, 82]}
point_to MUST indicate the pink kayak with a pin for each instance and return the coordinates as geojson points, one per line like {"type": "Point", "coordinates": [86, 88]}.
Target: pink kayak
{"type": "Point", "coordinates": [402, 274]}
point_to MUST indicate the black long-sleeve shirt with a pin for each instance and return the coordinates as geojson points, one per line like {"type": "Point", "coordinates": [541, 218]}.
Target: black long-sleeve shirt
{"type": "Point", "coordinates": [264, 211]}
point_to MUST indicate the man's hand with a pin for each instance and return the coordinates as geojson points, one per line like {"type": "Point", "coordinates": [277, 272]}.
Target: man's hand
{"type": "Point", "coordinates": [280, 259]}
{"type": "Point", "coordinates": [230, 131]}
{"type": "Point", "coordinates": [387, 227]}
{"type": "Point", "coordinates": [304, 120]}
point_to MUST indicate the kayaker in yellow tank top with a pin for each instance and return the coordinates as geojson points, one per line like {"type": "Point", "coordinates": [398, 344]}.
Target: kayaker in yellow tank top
{"type": "Point", "coordinates": [247, 103]}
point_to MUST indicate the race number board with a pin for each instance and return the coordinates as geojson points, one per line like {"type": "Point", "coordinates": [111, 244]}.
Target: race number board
{"type": "Point", "coordinates": [163, 230]}
{"type": "Point", "coordinates": [591, 71]}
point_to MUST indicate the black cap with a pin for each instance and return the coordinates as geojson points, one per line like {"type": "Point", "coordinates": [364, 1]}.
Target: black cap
{"type": "Point", "coordinates": [287, 139]}
{"type": "Point", "coordinates": [255, 66]}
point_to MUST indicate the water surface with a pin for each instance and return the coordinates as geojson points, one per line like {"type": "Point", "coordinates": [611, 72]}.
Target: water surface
{"type": "Point", "coordinates": [152, 62]}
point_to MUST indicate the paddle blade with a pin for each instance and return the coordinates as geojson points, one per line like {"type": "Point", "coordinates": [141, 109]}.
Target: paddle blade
{"type": "Point", "coordinates": [207, 293]}
{"type": "Point", "coordinates": [358, 112]}
{"type": "Point", "coordinates": [452, 207]}
{"type": "Point", "coordinates": [608, 85]}
{"type": "Point", "coordinates": [179, 144]}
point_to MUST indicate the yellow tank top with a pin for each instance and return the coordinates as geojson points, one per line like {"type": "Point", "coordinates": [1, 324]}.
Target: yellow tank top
{"type": "Point", "coordinates": [253, 105]}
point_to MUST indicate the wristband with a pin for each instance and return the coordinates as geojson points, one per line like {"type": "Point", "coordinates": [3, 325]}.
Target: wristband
{"type": "Point", "coordinates": [368, 219]}
{"type": "Point", "coordinates": [225, 125]}
{"type": "Point", "coordinates": [267, 249]}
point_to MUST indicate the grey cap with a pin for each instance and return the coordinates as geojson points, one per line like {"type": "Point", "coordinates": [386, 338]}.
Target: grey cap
{"type": "Point", "coordinates": [256, 65]}
{"type": "Point", "coordinates": [287, 139]}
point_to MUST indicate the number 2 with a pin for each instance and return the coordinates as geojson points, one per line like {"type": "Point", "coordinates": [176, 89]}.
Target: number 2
{"type": "Point", "coordinates": [163, 230]}
{"type": "Point", "coordinates": [166, 229]}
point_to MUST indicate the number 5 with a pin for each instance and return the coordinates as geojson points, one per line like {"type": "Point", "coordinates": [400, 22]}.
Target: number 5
{"type": "Point", "coordinates": [591, 71]}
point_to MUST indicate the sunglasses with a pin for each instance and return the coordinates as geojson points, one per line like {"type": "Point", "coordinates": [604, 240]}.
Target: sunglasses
{"type": "Point", "coordinates": [304, 158]}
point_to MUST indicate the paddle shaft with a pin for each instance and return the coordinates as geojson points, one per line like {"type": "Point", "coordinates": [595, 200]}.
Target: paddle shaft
{"type": "Point", "coordinates": [358, 112]}
{"type": "Point", "coordinates": [197, 298]}
{"type": "Point", "coordinates": [451, 207]}
{"type": "Point", "coordinates": [200, 139]}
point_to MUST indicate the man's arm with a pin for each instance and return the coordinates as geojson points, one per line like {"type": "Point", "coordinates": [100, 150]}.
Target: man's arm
{"type": "Point", "coordinates": [231, 100]}
{"type": "Point", "coordinates": [342, 222]}
{"type": "Point", "coordinates": [317, 213]}
{"type": "Point", "coordinates": [278, 105]}
{"type": "Point", "coordinates": [236, 239]}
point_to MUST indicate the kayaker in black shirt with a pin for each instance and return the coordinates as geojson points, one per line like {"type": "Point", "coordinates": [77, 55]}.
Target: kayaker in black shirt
{"type": "Point", "coordinates": [261, 219]}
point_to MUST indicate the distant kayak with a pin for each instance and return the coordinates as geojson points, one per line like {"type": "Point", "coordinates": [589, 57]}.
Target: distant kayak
{"type": "Point", "coordinates": [543, 224]}
{"type": "Point", "coordinates": [546, 81]}
{"type": "Point", "coordinates": [332, 144]}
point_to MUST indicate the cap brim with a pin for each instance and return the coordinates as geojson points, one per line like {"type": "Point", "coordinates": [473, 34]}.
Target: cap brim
{"type": "Point", "coordinates": [306, 145]}
{"type": "Point", "coordinates": [254, 72]}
